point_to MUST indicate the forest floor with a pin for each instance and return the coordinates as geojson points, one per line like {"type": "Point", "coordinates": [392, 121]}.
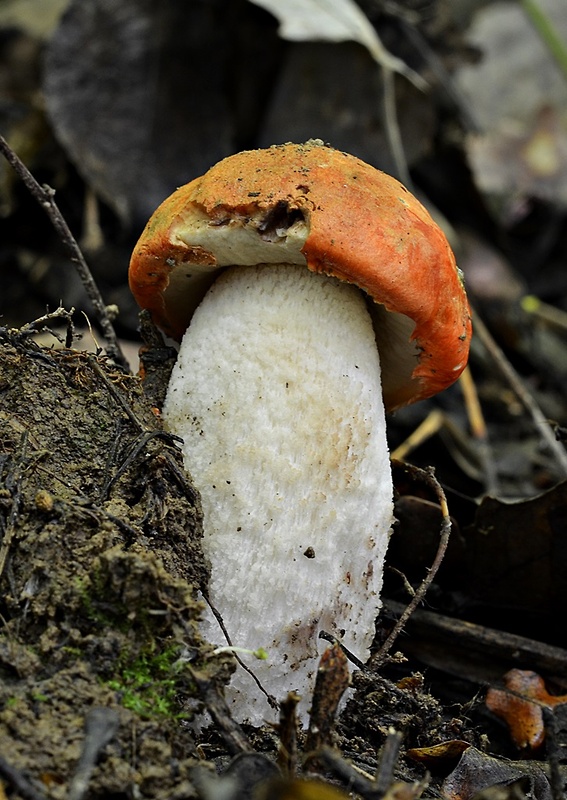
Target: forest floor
{"type": "Point", "coordinates": [102, 665]}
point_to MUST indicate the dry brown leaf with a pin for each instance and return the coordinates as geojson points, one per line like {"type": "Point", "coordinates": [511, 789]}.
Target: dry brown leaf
{"type": "Point", "coordinates": [520, 705]}
{"type": "Point", "coordinates": [478, 772]}
{"type": "Point", "coordinates": [445, 751]}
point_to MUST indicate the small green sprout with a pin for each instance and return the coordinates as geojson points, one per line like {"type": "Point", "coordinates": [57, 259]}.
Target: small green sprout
{"type": "Point", "coordinates": [259, 653]}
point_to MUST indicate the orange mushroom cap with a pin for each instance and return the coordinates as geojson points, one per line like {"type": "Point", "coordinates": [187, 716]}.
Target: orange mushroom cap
{"type": "Point", "coordinates": [361, 226]}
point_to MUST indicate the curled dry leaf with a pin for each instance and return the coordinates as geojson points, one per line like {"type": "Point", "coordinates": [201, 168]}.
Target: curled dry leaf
{"type": "Point", "coordinates": [445, 751]}
{"type": "Point", "coordinates": [520, 705]}
{"type": "Point", "coordinates": [477, 772]}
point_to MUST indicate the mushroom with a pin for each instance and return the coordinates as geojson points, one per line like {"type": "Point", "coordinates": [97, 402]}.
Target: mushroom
{"type": "Point", "coordinates": [276, 392]}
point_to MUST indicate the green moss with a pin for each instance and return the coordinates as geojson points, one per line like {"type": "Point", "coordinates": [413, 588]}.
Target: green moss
{"type": "Point", "coordinates": [150, 684]}
{"type": "Point", "coordinates": [149, 677]}
{"type": "Point", "coordinates": [72, 651]}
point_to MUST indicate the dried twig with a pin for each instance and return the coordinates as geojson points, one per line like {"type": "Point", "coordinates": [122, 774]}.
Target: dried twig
{"type": "Point", "coordinates": [218, 616]}
{"type": "Point", "coordinates": [116, 395]}
{"type": "Point", "coordinates": [388, 759]}
{"type": "Point", "coordinates": [479, 430]}
{"type": "Point", "coordinates": [431, 425]}
{"type": "Point", "coordinates": [372, 788]}
{"type": "Point", "coordinates": [356, 781]}
{"type": "Point", "coordinates": [428, 477]}
{"type": "Point", "coordinates": [287, 730]}
{"type": "Point", "coordinates": [551, 316]}
{"type": "Point", "coordinates": [45, 197]}
{"type": "Point", "coordinates": [100, 726]}
{"type": "Point", "coordinates": [547, 31]}
{"type": "Point", "coordinates": [41, 324]}
{"type": "Point", "coordinates": [392, 128]}
{"type": "Point", "coordinates": [547, 434]}
{"type": "Point", "coordinates": [21, 784]}
{"type": "Point", "coordinates": [330, 685]}
{"type": "Point", "coordinates": [232, 734]}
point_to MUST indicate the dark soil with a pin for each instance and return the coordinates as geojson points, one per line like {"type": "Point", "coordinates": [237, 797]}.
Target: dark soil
{"type": "Point", "coordinates": [100, 558]}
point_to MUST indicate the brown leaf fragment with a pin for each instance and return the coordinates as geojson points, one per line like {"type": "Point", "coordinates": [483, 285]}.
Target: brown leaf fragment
{"type": "Point", "coordinates": [476, 772]}
{"type": "Point", "coordinates": [444, 751]}
{"type": "Point", "coordinates": [520, 704]}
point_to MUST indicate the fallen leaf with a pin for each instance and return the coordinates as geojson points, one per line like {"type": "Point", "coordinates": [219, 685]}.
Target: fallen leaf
{"type": "Point", "coordinates": [137, 98]}
{"type": "Point", "coordinates": [332, 90]}
{"type": "Point", "coordinates": [477, 772]}
{"type": "Point", "coordinates": [334, 21]}
{"type": "Point", "coordinates": [445, 751]}
{"type": "Point", "coordinates": [520, 705]}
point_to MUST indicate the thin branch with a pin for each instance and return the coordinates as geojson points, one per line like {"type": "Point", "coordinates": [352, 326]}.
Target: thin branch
{"type": "Point", "coordinates": [20, 783]}
{"type": "Point", "coordinates": [272, 702]}
{"type": "Point", "coordinates": [101, 725]}
{"type": "Point", "coordinates": [45, 197]}
{"type": "Point", "coordinates": [526, 399]}
{"type": "Point", "coordinates": [479, 430]}
{"type": "Point", "coordinates": [428, 477]}
{"type": "Point", "coordinates": [389, 756]}
{"type": "Point", "coordinates": [42, 325]}
{"type": "Point", "coordinates": [392, 128]}
{"type": "Point", "coordinates": [232, 734]}
{"type": "Point", "coordinates": [347, 773]}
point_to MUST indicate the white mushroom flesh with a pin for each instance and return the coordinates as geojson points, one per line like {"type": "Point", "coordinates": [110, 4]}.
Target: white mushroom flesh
{"type": "Point", "coordinates": [276, 394]}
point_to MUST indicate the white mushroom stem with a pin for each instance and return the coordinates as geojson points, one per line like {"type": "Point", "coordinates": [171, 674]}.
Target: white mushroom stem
{"type": "Point", "coordinates": [276, 395]}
